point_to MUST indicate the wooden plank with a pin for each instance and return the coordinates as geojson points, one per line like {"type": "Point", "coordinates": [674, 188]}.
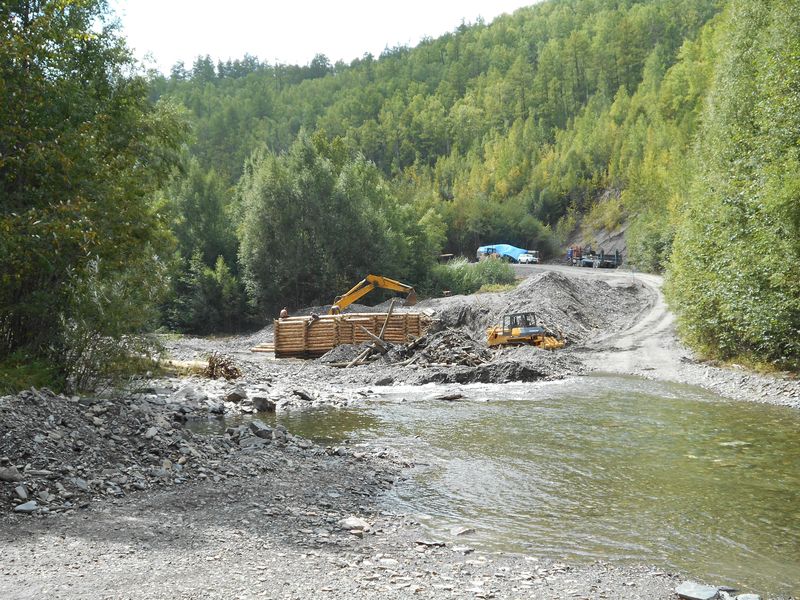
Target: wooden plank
{"type": "Point", "coordinates": [304, 336]}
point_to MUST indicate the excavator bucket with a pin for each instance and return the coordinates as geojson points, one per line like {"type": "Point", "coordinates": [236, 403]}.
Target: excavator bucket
{"type": "Point", "coordinates": [411, 299]}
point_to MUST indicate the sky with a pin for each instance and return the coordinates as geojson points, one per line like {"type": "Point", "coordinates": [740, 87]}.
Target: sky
{"type": "Point", "coordinates": [163, 32]}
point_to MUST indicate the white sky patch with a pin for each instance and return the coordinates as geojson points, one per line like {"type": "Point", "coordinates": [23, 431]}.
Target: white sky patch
{"type": "Point", "coordinates": [289, 32]}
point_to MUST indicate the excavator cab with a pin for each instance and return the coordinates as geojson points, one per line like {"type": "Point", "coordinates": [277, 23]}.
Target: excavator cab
{"type": "Point", "coordinates": [366, 285]}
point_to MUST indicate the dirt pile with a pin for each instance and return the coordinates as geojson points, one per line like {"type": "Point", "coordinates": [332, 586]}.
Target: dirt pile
{"type": "Point", "coordinates": [576, 307]}
{"type": "Point", "coordinates": [59, 453]}
{"type": "Point", "coordinates": [453, 356]}
{"type": "Point", "coordinates": [451, 347]}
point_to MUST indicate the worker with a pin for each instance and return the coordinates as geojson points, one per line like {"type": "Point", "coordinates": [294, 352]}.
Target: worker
{"type": "Point", "coordinates": [284, 313]}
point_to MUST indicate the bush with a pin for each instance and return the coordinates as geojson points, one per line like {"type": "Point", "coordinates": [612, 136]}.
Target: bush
{"type": "Point", "coordinates": [20, 371]}
{"type": "Point", "coordinates": [462, 277]}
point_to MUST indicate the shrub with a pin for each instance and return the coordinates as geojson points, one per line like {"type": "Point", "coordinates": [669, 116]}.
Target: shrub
{"type": "Point", "coordinates": [462, 277]}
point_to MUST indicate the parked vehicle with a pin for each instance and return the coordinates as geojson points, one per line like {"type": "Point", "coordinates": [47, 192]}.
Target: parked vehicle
{"type": "Point", "coordinates": [585, 257]}
{"type": "Point", "coordinates": [531, 257]}
{"type": "Point", "coordinates": [502, 251]}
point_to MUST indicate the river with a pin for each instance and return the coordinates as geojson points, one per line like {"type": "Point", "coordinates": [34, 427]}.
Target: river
{"type": "Point", "coordinates": [617, 468]}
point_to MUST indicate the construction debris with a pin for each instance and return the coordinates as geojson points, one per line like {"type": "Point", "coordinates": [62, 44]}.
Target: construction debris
{"type": "Point", "coordinates": [444, 348]}
{"type": "Point", "coordinates": [221, 366]}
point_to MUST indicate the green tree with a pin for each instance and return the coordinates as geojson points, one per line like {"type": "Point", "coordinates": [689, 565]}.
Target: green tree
{"type": "Point", "coordinates": [315, 221]}
{"type": "Point", "coordinates": [81, 151]}
{"type": "Point", "coordinates": [734, 278]}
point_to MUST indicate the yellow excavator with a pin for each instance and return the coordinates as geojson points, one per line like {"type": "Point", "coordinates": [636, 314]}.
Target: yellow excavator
{"type": "Point", "coordinates": [365, 286]}
{"type": "Point", "coordinates": [522, 329]}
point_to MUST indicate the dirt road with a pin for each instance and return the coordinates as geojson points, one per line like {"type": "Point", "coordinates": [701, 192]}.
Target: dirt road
{"type": "Point", "coordinates": [649, 346]}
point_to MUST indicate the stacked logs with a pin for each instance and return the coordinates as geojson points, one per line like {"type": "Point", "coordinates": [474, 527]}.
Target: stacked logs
{"type": "Point", "coordinates": [315, 335]}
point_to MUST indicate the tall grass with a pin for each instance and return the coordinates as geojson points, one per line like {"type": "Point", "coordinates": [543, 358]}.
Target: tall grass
{"type": "Point", "coordinates": [460, 276]}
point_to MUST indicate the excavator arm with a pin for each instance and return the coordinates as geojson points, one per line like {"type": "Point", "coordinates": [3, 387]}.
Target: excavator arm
{"type": "Point", "coordinates": [365, 286]}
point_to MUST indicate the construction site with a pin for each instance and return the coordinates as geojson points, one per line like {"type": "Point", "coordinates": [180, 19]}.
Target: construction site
{"type": "Point", "coordinates": [370, 445]}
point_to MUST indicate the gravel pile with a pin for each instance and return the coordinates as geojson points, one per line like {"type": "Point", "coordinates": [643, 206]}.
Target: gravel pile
{"type": "Point", "coordinates": [452, 347]}
{"type": "Point", "coordinates": [59, 453]}
{"type": "Point", "coordinates": [577, 308]}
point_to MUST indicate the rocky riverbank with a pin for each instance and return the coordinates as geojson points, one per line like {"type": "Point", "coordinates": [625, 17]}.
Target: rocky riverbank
{"type": "Point", "coordinates": [116, 497]}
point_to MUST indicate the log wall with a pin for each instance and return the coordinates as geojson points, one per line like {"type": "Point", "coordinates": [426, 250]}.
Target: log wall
{"type": "Point", "coordinates": [307, 337]}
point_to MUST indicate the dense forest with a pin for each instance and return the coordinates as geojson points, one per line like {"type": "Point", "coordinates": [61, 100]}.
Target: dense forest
{"type": "Point", "coordinates": [204, 200]}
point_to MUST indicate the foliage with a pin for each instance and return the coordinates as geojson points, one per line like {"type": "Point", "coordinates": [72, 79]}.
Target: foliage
{"type": "Point", "coordinates": [460, 276]}
{"type": "Point", "coordinates": [207, 300]}
{"type": "Point", "coordinates": [500, 129]}
{"type": "Point", "coordinates": [81, 150]}
{"type": "Point", "coordinates": [20, 371]}
{"type": "Point", "coordinates": [494, 288]}
{"type": "Point", "coordinates": [317, 219]}
{"type": "Point", "coordinates": [734, 277]}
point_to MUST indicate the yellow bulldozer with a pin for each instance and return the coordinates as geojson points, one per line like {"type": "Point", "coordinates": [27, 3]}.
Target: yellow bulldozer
{"type": "Point", "coordinates": [366, 285]}
{"type": "Point", "coordinates": [520, 329]}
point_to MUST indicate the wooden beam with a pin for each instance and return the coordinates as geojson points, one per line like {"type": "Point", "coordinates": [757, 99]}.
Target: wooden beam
{"type": "Point", "coordinates": [388, 316]}
{"type": "Point", "coordinates": [379, 341]}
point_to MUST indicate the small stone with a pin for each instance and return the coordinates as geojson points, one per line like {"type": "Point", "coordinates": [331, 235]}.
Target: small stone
{"type": "Point", "coordinates": [27, 508]}
{"type": "Point", "coordinates": [261, 429]}
{"type": "Point", "coordinates": [253, 442]}
{"type": "Point", "coordinates": [10, 474]}
{"type": "Point", "coordinates": [431, 543]}
{"type": "Point", "coordinates": [450, 397]}
{"type": "Point", "coordinates": [22, 492]}
{"type": "Point", "coordinates": [216, 408]}
{"type": "Point", "coordinates": [237, 394]}
{"type": "Point", "coordinates": [80, 483]}
{"type": "Point", "coordinates": [151, 433]}
{"type": "Point", "coordinates": [262, 404]}
{"type": "Point", "coordinates": [463, 549]}
{"type": "Point", "coordinates": [354, 523]}
{"type": "Point", "coordinates": [748, 597]}
{"type": "Point", "coordinates": [38, 472]}
{"type": "Point", "coordinates": [166, 464]}
{"type": "Point", "coordinates": [457, 531]}
{"type": "Point", "coordinates": [303, 395]}
{"type": "Point", "coordinates": [689, 590]}
{"type": "Point", "coordinates": [388, 563]}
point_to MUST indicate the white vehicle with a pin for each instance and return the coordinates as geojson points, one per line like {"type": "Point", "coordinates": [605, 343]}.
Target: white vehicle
{"type": "Point", "coordinates": [529, 258]}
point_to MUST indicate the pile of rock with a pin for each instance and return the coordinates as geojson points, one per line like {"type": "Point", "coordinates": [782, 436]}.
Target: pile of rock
{"type": "Point", "coordinates": [451, 347]}
{"type": "Point", "coordinates": [59, 453]}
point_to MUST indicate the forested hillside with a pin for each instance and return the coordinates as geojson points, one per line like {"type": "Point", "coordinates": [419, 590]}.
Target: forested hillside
{"type": "Point", "coordinates": [240, 187]}
{"type": "Point", "coordinates": [505, 131]}
{"type": "Point", "coordinates": [599, 112]}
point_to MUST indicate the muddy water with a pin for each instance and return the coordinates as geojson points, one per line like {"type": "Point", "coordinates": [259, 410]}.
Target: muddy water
{"type": "Point", "coordinates": [612, 468]}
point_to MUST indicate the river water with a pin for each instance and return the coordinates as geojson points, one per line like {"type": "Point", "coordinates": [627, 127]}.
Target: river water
{"type": "Point", "coordinates": [602, 467]}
